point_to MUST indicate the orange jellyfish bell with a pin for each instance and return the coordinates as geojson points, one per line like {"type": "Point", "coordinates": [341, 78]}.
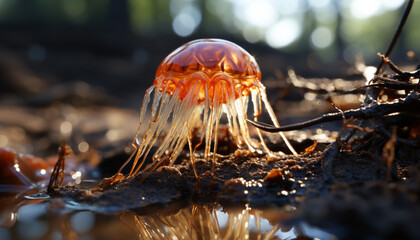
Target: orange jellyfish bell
{"type": "Point", "coordinates": [194, 86]}
{"type": "Point", "coordinates": [216, 63]}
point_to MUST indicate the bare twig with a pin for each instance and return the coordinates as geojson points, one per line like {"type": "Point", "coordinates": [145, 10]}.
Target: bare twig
{"type": "Point", "coordinates": [373, 110]}
{"type": "Point", "coordinates": [391, 64]}
{"type": "Point", "coordinates": [402, 76]}
{"type": "Point", "coordinates": [382, 130]}
{"type": "Point", "coordinates": [393, 86]}
{"type": "Point", "coordinates": [323, 85]}
{"type": "Point", "coordinates": [388, 152]}
{"type": "Point", "coordinates": [57, 176]}
{"type": "Point", "coordinates": [397, 34]}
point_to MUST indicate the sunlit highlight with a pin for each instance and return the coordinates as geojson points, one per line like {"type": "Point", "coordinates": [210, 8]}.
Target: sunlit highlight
{"type": "Point", "coordinates": [322, 37]}
{"type": "Point", "coordinates": [187, 17]}
{"type": "Point", "coordinates": [283, 33]}
{"type": "Point", "coordinates": [83, 147]}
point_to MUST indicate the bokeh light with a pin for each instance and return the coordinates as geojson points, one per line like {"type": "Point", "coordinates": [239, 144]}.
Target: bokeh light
{"type": "Point", "coordinates": [283, 33]}
{"type": "Point", "coordinates": [359, 23]}
{"type": "Point", "coordinates": [322, 37]}
{"type": "Point", "coordinates": [260, 14]}
{"type": "Point", "coordinates": [275, 22]}
{"type": "Point", "coordinates": [186, 15]}
{"type": "Point", "coordinates": [82, 222]}
{"type": "Point", "coordinates": [363, 9]}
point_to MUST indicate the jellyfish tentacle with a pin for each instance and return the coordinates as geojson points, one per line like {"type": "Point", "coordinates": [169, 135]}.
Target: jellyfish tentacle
{"type": "Point", "coordinates": [167, 141]}
{"type": "Point", "coordinates": [192, 157]}
{"type": "Point", "coordinates": [215, 115]}
{"type": "Point", "coordinates": [182, 138]}
{"type": "Point", "coordinates": [169, 110]}
{"type": "Point", "coordinates": [158, 101]}
{"type": "Point", "coordinates": [192, 115]}
{"type": "Point", "coordinates": [177, 135]}
{"type": "Point", "coordinates": [173, 101]}
{"type": "Point", "coordinates": [206, 120]}
{"type": "Point", "coordinates": [165, 103]}
{"type": "Point", "coordinates": [142, 146]}
{"type": "Point", "coordinates": [145, 103]}
{"type": "Point", "coordinates": [178, 122]}
{"type": "Point", "coordinates": [201, 120]}
{"type": "Point", "coordinates": [235, 112]}
{"type": "Point", "coordinates": [231, 116]}
{"type": "Point", "coordinates": [146, 144]}
{"type": "Point", "coordinates": [241, 113]}
{"type": "Point", "coordinates": [168, 102]}
{"type": "Point", "coordinates": [205, 115]}
{"type": "Point", "coordinates": [255, 94]}
{"type": "Point", "coordinates": [135, 153]}
{"type": "Point", "coordinates": [274, 119]}
{"type": "Point", "coordinates": [156, 122]}
{"type": "Point", "coordinates": [143, 109]}
{"type": "Point", "coordinates": [214, 125]}
{"type": "Point", "coordinates": [209, 130]}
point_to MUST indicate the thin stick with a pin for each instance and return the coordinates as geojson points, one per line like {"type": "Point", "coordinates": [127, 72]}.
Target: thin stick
{"type": "Point", "coordinates": [57, 176]}
{"type": "Point", "coordinates": [397, 34]}
{"type": "Point", "coordinates": [410, 103]}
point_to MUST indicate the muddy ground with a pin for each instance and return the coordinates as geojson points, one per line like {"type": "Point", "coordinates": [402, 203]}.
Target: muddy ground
{"type": "Point", "coordinates": [351, 199]}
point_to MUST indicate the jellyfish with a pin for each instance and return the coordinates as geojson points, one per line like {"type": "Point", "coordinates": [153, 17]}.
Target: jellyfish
{"type": "Point", "coordinates": [194, 86]}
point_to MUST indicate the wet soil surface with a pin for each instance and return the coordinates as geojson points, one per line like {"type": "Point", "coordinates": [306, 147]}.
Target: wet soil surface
{"type": "Point", "coordinates": [347, 195]}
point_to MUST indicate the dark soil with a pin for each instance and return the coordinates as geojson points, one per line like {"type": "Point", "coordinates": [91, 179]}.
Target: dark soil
{"type": "Point", "coordinates": [351, 199]}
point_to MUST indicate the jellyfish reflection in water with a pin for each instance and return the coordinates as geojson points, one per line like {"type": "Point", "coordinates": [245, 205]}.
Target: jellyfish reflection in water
{"type": "Point", "coordinates": [194, 86]}
{"type": "Point", "coordinates": [216, 222]}
{"type": "Point", "coordinates": [207, 222]}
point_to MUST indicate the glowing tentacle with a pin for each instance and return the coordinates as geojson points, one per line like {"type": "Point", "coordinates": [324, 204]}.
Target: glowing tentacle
{"type": "Point", "coordinates": [241, 113]}
{"type": "Point", "coordinates": [256, 97]}
{"type": "Point", "coordinates": [178, 133]}
{"type": "Point", "coordinates": [155, 128]}
{"type": "Point", "coordinates": [274, 119]}
{"type": "Point", "coordinates": [135, 143]}
{"type": "Point", "coordinates": [144, 143]}
{"type": "Point", "coordinates": [214, 125]}
{"type": "Point", "coordinates": [232, 117]}
{"type": "Point", "coordinates": [151, 131]}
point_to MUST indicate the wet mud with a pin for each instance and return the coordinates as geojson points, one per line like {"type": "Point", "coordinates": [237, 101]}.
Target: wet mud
{"type": "Point", "coordinates": [348, 195]}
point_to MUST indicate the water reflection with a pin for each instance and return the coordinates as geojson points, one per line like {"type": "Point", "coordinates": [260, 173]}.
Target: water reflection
{"type": "Point", "coordinates": [37, 219]}
{"type": "Point", "coordinates": [213, 222]}
{"type": "Point", "coordinates": [203, 222]}
{"type": "Point", "coordinates": [10, 203]}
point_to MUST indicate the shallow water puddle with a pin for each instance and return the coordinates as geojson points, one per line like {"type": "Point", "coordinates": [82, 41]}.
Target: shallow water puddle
{"type": "Point", "coordinates": [53, 219]}
{"type": "Point", "coordinates": [160, 208]}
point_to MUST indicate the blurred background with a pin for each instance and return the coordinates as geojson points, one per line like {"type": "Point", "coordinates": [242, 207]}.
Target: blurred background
{"type": "Point", "coordinates": [78, 69]}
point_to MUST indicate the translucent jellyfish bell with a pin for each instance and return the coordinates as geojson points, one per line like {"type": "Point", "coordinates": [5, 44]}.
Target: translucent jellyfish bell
{"type": "Point", "coordinates": [194, 86]}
